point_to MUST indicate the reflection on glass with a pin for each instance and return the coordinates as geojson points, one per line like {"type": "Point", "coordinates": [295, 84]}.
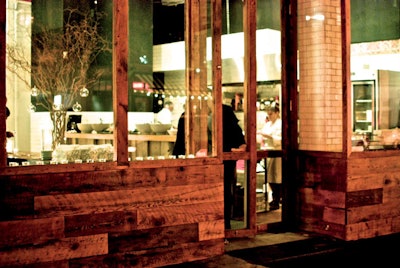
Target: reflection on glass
{"type": "Point", "coordinates": [375, 76]}
{"type": "Point", "coordinates": [235, 204]}
{"type": "Point", "coordinates": [46, 76]}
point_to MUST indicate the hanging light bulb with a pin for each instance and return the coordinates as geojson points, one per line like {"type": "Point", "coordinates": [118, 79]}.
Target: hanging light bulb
{"type": "Point", "coordinates": [57, 103]}
{"type": "Point", "coordinates": [84, 92]}
{"type": "Point", "coordinates": [32, 108]}
{"type": "Point", "coordinates": [77, 107]}
{"type": "Point", "coordinates": [34, 91]}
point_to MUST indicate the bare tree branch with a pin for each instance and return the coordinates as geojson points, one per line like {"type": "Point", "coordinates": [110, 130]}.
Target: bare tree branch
{"type": "Point", "coordinates": [61, 62]}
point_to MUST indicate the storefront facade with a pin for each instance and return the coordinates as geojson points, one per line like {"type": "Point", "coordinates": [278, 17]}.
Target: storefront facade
{"type": "Point", "coordinates": [155, 212]}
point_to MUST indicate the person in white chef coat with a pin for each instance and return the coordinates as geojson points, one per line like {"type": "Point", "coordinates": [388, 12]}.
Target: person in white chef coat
{"type": "Point", "coordinates": [272, 139]}
{"type": "Point", "coordinates": [165, 115]}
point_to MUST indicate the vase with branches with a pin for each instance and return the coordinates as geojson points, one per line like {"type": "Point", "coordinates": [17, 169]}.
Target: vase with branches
{"type": "Point", "coordinates": [61, 64]}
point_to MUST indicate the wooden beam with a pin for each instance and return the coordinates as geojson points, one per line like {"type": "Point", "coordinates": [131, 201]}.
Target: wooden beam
{"type": "Point", "coordinates": [250, 93]}
{"type": "Point", "coordinates": [216, 26]}
{"type": "Point", "coordinates": [120, 80]}
{"type": "Point", "coordinates": [346, 43]}
{"type": "Point", "coordinates": [3, 153]}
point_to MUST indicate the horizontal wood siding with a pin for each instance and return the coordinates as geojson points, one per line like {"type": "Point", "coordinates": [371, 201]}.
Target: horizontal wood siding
{"type": "Point", "coordinates": [373, 196]}
{"type": "Point", "coordinates": [352, 198]}
{"type": "Point", "coordinates": [126, 217]}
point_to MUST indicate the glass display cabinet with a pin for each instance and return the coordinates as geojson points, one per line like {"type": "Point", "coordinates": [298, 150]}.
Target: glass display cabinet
{"type": "Point", "coordinates": [364, 109]}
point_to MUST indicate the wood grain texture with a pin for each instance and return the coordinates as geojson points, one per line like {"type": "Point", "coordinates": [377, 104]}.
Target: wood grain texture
{"type": "Point", "coordinates": [127, 215]}
{"type": "Point", "coordinates": [364, 198]}
{"type": "Point", "coordinates": [158, 237]}
{"type": "Point", "coordinates": [174, 215]}
{"type": "Point", "coordinates": [108, 222]}
{"type": "Point", "coordinates": [56, 250]}
{"type": "Point", "coordinates": [211, 230]}
{"type": "Point", "coordinates": [96, 202]}
{"type": "Point", "coordinates": [368, 229]}
{"type": "Point", "coordinates": [334, 215]}
{"type": "Point", "coordinates": [18, 233]}
{"type": "Point", "coordinates": [349, 198]}
{"type": "Point", "coordinates": [156, 257]}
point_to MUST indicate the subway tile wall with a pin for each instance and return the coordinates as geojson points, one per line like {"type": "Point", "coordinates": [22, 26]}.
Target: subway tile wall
{"type": "Point", "coordinates": [320, 83]}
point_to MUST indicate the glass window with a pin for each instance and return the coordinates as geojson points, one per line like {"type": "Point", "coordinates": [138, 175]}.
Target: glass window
{"type": "Point", "coordinates": [59, 81]}
{"type": "Point", "coordinates": [375, 75]}
{"type": "Point", "coordinates": [269, 113]}
{"type": "Point", "coordinates": [55, 78]}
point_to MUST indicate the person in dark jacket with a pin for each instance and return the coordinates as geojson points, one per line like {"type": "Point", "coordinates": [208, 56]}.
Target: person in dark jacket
{"type": "Point", "coordinates": [233, 140]}
{"type": "Point", "coordinates": [179, 146]}
{"type": "Point", "coordinates": [8, 133]}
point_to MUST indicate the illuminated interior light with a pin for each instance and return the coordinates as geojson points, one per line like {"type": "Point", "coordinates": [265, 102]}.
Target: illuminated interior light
{"type": "Point", "coordinates": [318, 17]}
{"type": "Point", "coordinates": [34, 91]}
{"type": "Point", "coordinates": [57, 102]}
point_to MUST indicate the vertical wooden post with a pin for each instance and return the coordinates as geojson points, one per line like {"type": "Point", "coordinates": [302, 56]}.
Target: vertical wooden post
{"type": "Point", "coordinates": [3, 153]}
{"type": "Point", "coordinates": [250, 95]}
{"type": "Point", "coordinates": [196, 76]}
{"type": "Point", "coordinates": [346, 83]}
{"type": "Point", "coordinates": [216, 25]}
{"type": "Point", "coordinates": [289, 108]}
{"type": "Point", "coordinates": [120, 80]}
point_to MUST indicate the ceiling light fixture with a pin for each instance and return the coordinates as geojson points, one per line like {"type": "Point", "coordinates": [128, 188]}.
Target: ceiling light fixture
{"type": "Point", "coordinates": [319, 17]}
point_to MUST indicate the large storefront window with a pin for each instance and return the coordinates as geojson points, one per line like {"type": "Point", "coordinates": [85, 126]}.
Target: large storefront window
{"type": "Point", "coordinates": [375, 75]}
{"type": "Point", "coordinates": [58, 80]}
{"type": "Point", "coordinates": [60, 94]}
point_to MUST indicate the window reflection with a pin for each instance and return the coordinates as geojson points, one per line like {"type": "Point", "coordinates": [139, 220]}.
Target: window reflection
{"type": "Point", "coordinates": [375, 75]}
{"type": "Point", "coordinates": [58, 65]}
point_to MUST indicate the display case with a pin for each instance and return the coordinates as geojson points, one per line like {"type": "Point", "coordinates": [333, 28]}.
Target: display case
{"type": "Point", "coordinates": [364, 106]}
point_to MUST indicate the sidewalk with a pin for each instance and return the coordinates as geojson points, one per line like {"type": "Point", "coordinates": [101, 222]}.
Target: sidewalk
{"type": "Point", "coordinates": [302, 250]}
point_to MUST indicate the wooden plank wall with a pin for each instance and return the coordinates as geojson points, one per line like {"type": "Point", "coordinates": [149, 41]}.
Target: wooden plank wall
{"type": "Point", "coordinates": [351, 198]}
{"type": "Point", "coordinates": [132, 217]}
{"type": "Point", "coordinates": [373, 196]}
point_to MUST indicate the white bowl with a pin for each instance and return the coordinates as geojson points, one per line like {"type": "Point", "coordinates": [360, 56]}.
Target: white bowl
{"type": "Point", "coordinates": [172, 131]}
{"type": "Point", "coordinates": [160, 128]}
{"type": "Point", "coordinates": [100, 127]}
{"type": "Point", "coordinates": [85, 128]}
{"type": "Point", "coordinates": [143, 128]}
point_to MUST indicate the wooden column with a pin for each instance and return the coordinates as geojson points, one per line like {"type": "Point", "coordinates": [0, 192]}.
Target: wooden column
{"type": "Point", "coordinates": [250, 93]}
{"type": "Point", "coordinates": [346, 81]}
{"type": "Point", "coordinates": [3, 153]}
{"type": "Point", "coordinates": [216, 25]}
{"type": "Point", "coordinates": [196, 76]}
{"type": "Point", "coordinates": [120, 80]}
{"type": "Point", "coordinates": [289, 108]}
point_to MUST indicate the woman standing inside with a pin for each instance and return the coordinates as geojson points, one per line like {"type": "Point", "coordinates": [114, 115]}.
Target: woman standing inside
{"type": "Point", "coordinates": [272, 139]}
